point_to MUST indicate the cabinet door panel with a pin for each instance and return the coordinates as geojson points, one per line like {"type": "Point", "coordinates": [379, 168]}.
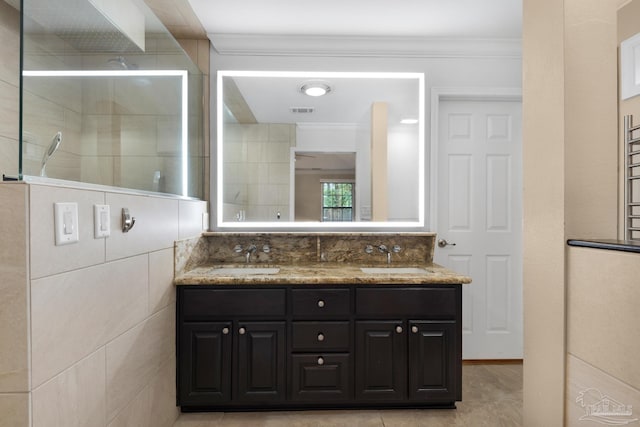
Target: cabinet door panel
{"type": "Point", "coordinates": [320, 377]}
{"type": "Point", "coordinates": [380, 368]}
{"type": "Point", "coordinates": [432, 350]}
{"type": "Point", "coordinates": [261, 361]}
{"type": "Point", "coordinates": [205, 363]}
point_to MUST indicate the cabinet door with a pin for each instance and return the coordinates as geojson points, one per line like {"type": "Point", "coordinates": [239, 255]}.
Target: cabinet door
{"type": "Point", "coordinates": [205, 363]}
{"type": "Point", "coordinates": [320, 377]}
{"type": "Point", "coordinates": [260, 371]}
{"type": "Point", "coordinates": [380, 367]}
{"type": "Point", "coordinates": [432, 361]}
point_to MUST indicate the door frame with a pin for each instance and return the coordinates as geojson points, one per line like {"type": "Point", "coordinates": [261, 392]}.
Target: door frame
{"type": "Point", "coordinates": [439, 94]}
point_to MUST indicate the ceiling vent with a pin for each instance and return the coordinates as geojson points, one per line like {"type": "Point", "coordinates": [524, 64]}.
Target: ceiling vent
{"type": "Point", "coordinates": [301, 110]}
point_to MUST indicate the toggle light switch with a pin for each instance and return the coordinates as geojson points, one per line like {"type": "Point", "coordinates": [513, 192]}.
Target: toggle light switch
{"type": "Point", "coordinates": [66, 223]}
{"type": "Point", "coordinates": [101, 221]}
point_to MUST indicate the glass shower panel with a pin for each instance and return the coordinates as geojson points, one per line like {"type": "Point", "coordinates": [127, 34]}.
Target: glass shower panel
{"type": "Point", "coordinates": [103, 106]}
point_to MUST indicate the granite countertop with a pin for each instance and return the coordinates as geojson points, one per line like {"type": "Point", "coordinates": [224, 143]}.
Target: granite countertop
{"type": "Point", "coordinates": [318, 273]}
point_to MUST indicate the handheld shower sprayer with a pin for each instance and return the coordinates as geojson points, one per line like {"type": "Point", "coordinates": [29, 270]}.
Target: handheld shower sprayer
{"type": "Point", "coordinates": [55, 144]}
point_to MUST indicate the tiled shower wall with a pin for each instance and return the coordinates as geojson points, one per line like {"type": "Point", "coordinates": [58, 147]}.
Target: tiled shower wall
{"type": "Point", "coordinates": [9, 88]}
{"type": "Point", "coordinates": [87, 329]}
{"type": "Point", "coordinates": [256, 170]}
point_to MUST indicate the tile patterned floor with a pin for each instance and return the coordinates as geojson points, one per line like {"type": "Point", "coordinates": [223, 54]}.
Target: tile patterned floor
{"type": "Point", "coordinates": [491, 393]}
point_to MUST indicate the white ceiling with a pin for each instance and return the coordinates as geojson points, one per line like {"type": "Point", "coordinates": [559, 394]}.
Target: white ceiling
{"type": "Point", "coordinates": [406, 18]}
{"type": "Point", "coordinates": [270, 99]}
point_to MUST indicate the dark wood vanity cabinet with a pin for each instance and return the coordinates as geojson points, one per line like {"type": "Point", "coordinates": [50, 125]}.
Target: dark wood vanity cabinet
{"type": "Point", "coordinates": [318, 346]}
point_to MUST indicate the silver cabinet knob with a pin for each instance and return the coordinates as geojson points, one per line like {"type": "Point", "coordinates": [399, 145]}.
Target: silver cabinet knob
{"type": "Point", "coordinates": [242, 331]}
{"type": "Point", "coordinates": [320, 303]}
{"type": "Point", "coordinates": [399, 329]}
{"type": "Point", "coordinates": [320, 337]}
{"type": "Point", "coordinates": [443, 243]}
{"type": "Point", "coordinates": [225, 331]}
{"type": "Point", "coordinates": [320, 361]}
{"type": "Point", "coordinates": [414, 329]}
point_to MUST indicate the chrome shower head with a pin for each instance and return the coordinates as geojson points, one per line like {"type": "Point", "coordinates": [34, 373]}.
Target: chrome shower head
{"type": "Point", "coordinates": [55, 144]}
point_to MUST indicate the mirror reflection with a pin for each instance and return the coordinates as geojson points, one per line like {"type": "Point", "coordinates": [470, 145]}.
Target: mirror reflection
{"type": "Point", "coordinates": [320, 148]}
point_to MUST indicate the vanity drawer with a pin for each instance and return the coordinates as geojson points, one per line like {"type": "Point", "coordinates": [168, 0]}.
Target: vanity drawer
{"type": "Point", "coordinates": [320, 302]}
{"type": "Point", "coordinates": [437, 303]}
{"type": "Point", "coordinates": [215, 303]}
{"type": "Point", "coordinates": [320, 336]}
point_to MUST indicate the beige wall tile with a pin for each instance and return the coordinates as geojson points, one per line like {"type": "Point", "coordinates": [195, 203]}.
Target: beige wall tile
{"type": "Point", "coordinates": [10, 46]}
{"type": "Point", "coordinates": [46, 257]}
{"type": "Point", "coordinates": [191, 218]}
{"type": "Point", "coordinates": [97, 170]}
{"type": "Point", "coordinates": [75, 397]}
{"type": "Point", "coordinates": [14, 408]}
{"type": "Point", "coordinates": [75, 313]}
{"type": "Point", "coordinates": [14, 288]}
{"type": "Point", "coordinates": [9, 106]}
{"type": "Point", "coordinates": [9, 152]}
{"type": "Point", "coordinates": [162, 391]}
{"type": "Point", "coordinates": [156, 225]}
{"type": "Point", "coordinates": [155, 405]}
{"type": "Point", "coordinates": [136, 413]}
{"type": "Point", "coordinates": [137, 356]}
{"type": "Point", "coordinates": [592, 383]}
{"type": "Point", "coordinates": [602, 311]}
{"type": "Point", "coordinates": [162, 292]}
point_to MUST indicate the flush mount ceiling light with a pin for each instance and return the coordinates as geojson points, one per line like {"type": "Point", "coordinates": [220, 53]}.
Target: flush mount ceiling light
{"type": "Point", "coordinates": [315, 88]}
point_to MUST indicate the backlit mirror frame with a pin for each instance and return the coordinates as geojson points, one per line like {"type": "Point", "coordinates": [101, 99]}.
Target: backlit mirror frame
{"type": "Point", "coordinates": [219, 222]}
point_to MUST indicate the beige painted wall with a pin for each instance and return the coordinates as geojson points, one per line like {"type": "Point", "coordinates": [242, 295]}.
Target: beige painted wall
{"type": "Point", "coordinates": [544, 210]}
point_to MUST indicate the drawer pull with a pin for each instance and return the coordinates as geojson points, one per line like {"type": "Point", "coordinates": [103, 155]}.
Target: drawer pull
{"type": "Point", "coordinates": [242, 331]}
{"type": "Point", "coordinates": [320, 336]}
{"type": "Point", "coordinates": [399, 329]}
{"type": "Point", "coordinates": [414, 329]}
{"type": "Point", "coordinates": [320, 361]}
{"type": "Point", "coordinates": [320, 303]}
{"type": "Point", "coordinates": [225, 331]}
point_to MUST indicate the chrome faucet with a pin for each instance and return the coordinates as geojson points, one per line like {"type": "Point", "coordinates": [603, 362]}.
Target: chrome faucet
{"type": "Point", "coordinates": [383, 249]}
{"type": "Point", "coordinates": [250, 250]}
{"type": "Point", "coordinates": [247, 253]}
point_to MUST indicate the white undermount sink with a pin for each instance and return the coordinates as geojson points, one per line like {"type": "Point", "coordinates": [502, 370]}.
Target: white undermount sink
{"type": "Point", "coordinates": [244, 271]}
{"type": "Point", "coordinates": [393, 270]}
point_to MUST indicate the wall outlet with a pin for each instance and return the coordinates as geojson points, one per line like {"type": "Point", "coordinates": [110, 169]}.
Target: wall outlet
{"type": "Point", "coordinates": [66, 223]}
{"type": "Point", "coordinates": [101, 221]}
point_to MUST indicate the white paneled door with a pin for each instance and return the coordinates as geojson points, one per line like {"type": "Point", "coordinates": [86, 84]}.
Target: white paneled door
{"type": "Point", "coordinates": [479, 215]}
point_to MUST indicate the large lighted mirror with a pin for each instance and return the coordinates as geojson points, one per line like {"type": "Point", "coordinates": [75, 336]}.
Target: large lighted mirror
{"type": "Point", "coordinates": [326, 150]}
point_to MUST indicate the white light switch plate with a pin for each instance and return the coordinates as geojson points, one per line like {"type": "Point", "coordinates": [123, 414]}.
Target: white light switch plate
{"type": "Point", "coordinates": [101, 221]}
{"type": "Point", "coordinates": [66, 223]}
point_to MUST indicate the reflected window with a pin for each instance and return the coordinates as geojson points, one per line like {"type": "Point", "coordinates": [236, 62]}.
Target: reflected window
{"type": "Point", "coordinates": [337, 201]}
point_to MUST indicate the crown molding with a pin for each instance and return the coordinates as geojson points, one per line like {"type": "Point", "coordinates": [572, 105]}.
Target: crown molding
{"type": "Point", "coordinates": [358, 46]}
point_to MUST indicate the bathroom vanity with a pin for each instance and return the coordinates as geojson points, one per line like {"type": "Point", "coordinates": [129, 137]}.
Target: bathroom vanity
{"type": "Point", "coordinates": [317, 335]}
{"type": "Point", "coordinates": [318, 345]}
